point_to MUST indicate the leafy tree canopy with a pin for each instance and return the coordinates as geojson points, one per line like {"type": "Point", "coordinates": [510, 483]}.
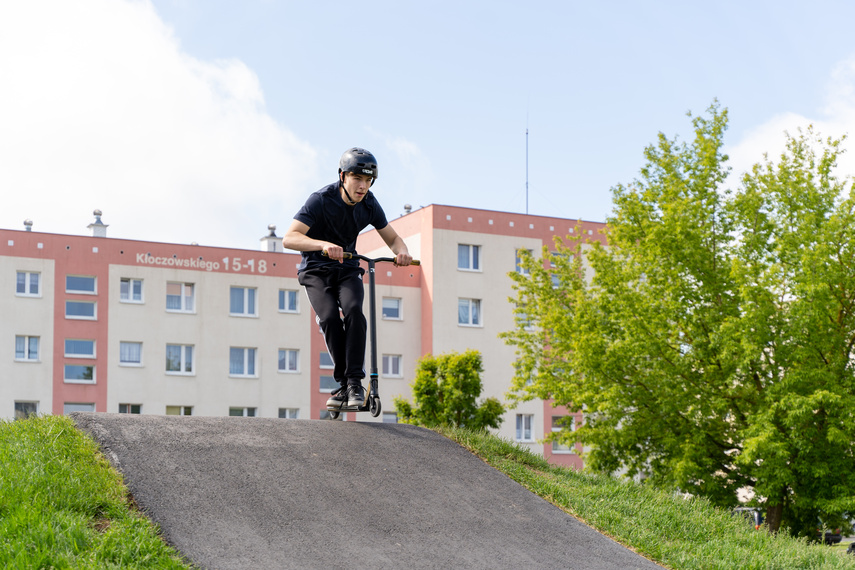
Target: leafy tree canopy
{"type": "Point", "coordinates": [711, 349]}
{"type": "Point", "coordinates": [446, 390]}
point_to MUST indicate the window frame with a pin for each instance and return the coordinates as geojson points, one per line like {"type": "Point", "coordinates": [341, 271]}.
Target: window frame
{"type": "Point", "coordinates": [470, 304]}
{"type": "Point", "coordinates": [182, 410]}
{"type": "Point", "coordinates": [519, 433]}
{"type": "Point", "coordinates": [129, 409]}
{"type": "Point", "coordinates": [517, 259]}
{"type": "Point", "coordinates": [332, 384]}
{"type": "Point", "coordinates": [68, 354]}
{"type": "Point", "coordinates": [89, 407]}
{"type": "Point", "coordinates": [93, 291]}
{"type": "Point", "coordinates": [249, 297]}
{"type": "Point", "coordinates": [130, 363]}
{"type": "Point", "coordinates": [560, 447]}
{"type": "Point", "coordinates": [387, 371]}
{"type": "Point", "coordinates": [245, 411]}
{"type": "Point", "coordinates": [67, 380]}
{"type": "Point", "coordinates": [22, 414]}
{"type": "Point", "coordinates": [283, 298]}
{"type": "Point", "coordinates": [93, 304]}
{"type": "Point", "coordinates": [322, 357]}
{"type": "Point", "coordinates": [27, 356]}
{"type": "Point", "coordinates": [182, 362]}
{"type": "Point", "coordinates": [28, 285]}
{"type": "Point", "coordinates": [473, 257]}
{"type": "Point", "coordinates": [128, 297]}
{"type": "Point", "coordinates": [182, 296]}
{"type": "Point", "coordinates": [288, 352]}
{"type": "Point", "coordinates": [400, 309]}
{"type": "Point", "coordinates": [249, 365]}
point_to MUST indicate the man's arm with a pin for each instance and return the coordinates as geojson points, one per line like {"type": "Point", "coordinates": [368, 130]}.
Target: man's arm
{"type": "Point", "coordinates": [396, 244]}
{"type": "Point", "coordinates": [295, 238]}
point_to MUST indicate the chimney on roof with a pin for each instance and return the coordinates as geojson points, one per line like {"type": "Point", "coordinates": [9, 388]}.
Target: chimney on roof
{"type": "Point", "coordinates": [407, 209]}
{"type": "Point", "coordinates": [99, 228]}
{"type": "Point", "coordinates": [28, 225]}
{"type": "Point", "coordinates": [271, 242]}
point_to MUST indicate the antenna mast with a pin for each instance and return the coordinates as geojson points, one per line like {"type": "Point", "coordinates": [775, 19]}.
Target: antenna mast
{"type": "Point", "coordinates": [526, 171]}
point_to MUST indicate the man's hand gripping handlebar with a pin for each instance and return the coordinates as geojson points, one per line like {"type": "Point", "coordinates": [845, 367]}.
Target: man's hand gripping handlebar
{"type": "Point", "coordinates": [348, 255]}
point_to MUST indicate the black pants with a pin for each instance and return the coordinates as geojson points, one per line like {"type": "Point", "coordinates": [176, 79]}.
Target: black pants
{"type": "Point", "coordinates": [331, 288]}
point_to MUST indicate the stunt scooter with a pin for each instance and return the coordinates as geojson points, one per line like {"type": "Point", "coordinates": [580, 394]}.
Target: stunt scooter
{"type": "Point", "coordinates": [372, 402]}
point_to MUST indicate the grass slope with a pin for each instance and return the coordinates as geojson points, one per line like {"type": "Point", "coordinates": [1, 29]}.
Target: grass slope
{"type": "Point", "coordinates": [671, 530]}
{"type": "Point", "coordinates": [63, 506]}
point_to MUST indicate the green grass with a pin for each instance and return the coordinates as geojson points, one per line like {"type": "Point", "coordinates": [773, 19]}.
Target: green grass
{"type": "Point", "coordinates": [63, 506]}
{"type": "Point", "coordinates": [671, 530]}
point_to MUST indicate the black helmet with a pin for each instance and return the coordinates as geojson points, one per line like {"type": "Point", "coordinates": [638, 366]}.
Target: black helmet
{"type": "Point", "coordinates": [360, 161]}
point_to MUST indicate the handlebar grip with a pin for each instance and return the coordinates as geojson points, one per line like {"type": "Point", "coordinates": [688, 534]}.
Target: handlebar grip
{"type": "Point", "coordinates": [346, 254]}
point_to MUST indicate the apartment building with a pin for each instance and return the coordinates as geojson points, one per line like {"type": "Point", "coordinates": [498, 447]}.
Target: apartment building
{"type": "Point", "coordinates": [110, 325]}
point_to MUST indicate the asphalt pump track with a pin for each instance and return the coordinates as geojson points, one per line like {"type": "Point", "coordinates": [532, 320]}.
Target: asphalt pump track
{"type": "Point", "coordinates": [233, 493]}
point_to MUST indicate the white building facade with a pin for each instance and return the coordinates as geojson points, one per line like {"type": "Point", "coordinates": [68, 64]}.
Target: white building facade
{"type": "Point", "coordinates": [109, 325]}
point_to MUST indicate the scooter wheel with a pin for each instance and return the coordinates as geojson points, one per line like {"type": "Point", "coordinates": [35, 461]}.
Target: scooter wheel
{"type": "Point", "coordinates": [374, 407]}
{"type": "Point", "coordinates": [334, 415]}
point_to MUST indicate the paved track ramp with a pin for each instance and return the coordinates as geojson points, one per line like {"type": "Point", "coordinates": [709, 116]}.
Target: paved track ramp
{"type": "Point", "coordinates": [270, 493]}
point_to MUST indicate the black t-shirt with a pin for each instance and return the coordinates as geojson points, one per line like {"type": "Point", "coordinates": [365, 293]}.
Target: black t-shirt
{"type": "Point", "coordinates": [330, 219]}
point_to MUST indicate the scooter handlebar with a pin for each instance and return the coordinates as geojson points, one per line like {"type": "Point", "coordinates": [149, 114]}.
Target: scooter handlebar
{"type": "Point", "coordinates": [348, 255]}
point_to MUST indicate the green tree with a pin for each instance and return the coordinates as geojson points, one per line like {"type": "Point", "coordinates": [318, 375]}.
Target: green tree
{"type": "Point", "coordinates": [445, 392]}
{"type": "Point", "coordinates": [712, 349]}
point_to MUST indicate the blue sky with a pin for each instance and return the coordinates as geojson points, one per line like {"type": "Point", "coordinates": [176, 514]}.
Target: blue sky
{"type": "Point", "coordinates": [206, 120]}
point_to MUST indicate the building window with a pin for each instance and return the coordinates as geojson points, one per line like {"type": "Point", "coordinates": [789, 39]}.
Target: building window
{"type": "Point", "coordinates": [69, 407]}
{"type": "Point", "coordinates": [289, 413]}
{"type": "Point", "coordinates": [79, 284]}
{"type": "Point", "coordinates": [468, 257]}
{"type": "Point", "coordinates": [329, 384]}
{"type": "Point", "coordinates": [130, 408]}
{"type": "Point", "coordinates": [130, 353]}
{"type": "Point", "coordinates": [390, 418]}
{"type": "Point", "coordinates": [179, 358]}
{"type": "Point", "coordinates": [23, 410]}
{"type": "Point", "coordinates": [76, 373]}
{"type": "Point", "coordinates": [517, 264]}
{"type": "Point", "coordinates": [558, 424]}
{"type": "Point", "coordinates": [27, 348]}
{"type": "Point", "coordinates": [80, 310]}
{"type": "Point", "coordinates": [79, 348]}
{"type": "Point", "coordinates": [241, 361]}
{"type": "Point", "coordinates": [392, 365]}
{"type": "Point", "coordinates": [180, 297]}
{"type": "Point", "coordinates": [27, 284]}
{"type": "Point", "coordinates": [524, 422]}
{"type": "Point", "coordinates": [391, 308]}
{"type": "Point", "coordinates": [242, 302]}
{"type": "Point", "coordinates": [326, 361]}
{"type": "Point", "coordinates": [289, 360]}
{"type": "Point", "coordinates": [469, 312]}
{"type": "Point", "coordinates": [179, 410]}
{"type": "Point", "coordinates": [288, 301]}
{"type": "Point", "coordinates": [130, 290]}
{"type": "Point", "coordinates": [242, 412]}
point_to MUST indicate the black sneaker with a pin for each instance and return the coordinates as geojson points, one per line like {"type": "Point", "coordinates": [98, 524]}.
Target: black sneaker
{"type": "Point", "coordinates": [355, 396]}
{"type": "Point", "coordinates": [338, 399]}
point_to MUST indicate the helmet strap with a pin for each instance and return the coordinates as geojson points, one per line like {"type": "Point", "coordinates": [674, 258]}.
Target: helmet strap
{"type": "Point", "coordinates": [350, 200]}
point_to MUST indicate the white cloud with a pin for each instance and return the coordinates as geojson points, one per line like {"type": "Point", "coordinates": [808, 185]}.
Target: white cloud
{"type": "Point", "coordinates": [835, 119]}
{"type": "Point", "coordinates": [101, 108]}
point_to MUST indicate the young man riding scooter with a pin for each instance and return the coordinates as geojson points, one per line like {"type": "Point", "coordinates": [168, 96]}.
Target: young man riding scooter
{"type": "Point", "coordinates": [323, 230]}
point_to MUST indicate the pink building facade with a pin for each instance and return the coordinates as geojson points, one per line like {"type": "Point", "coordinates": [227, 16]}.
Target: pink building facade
{"type": "Point", "coordinates": [112, 325]}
